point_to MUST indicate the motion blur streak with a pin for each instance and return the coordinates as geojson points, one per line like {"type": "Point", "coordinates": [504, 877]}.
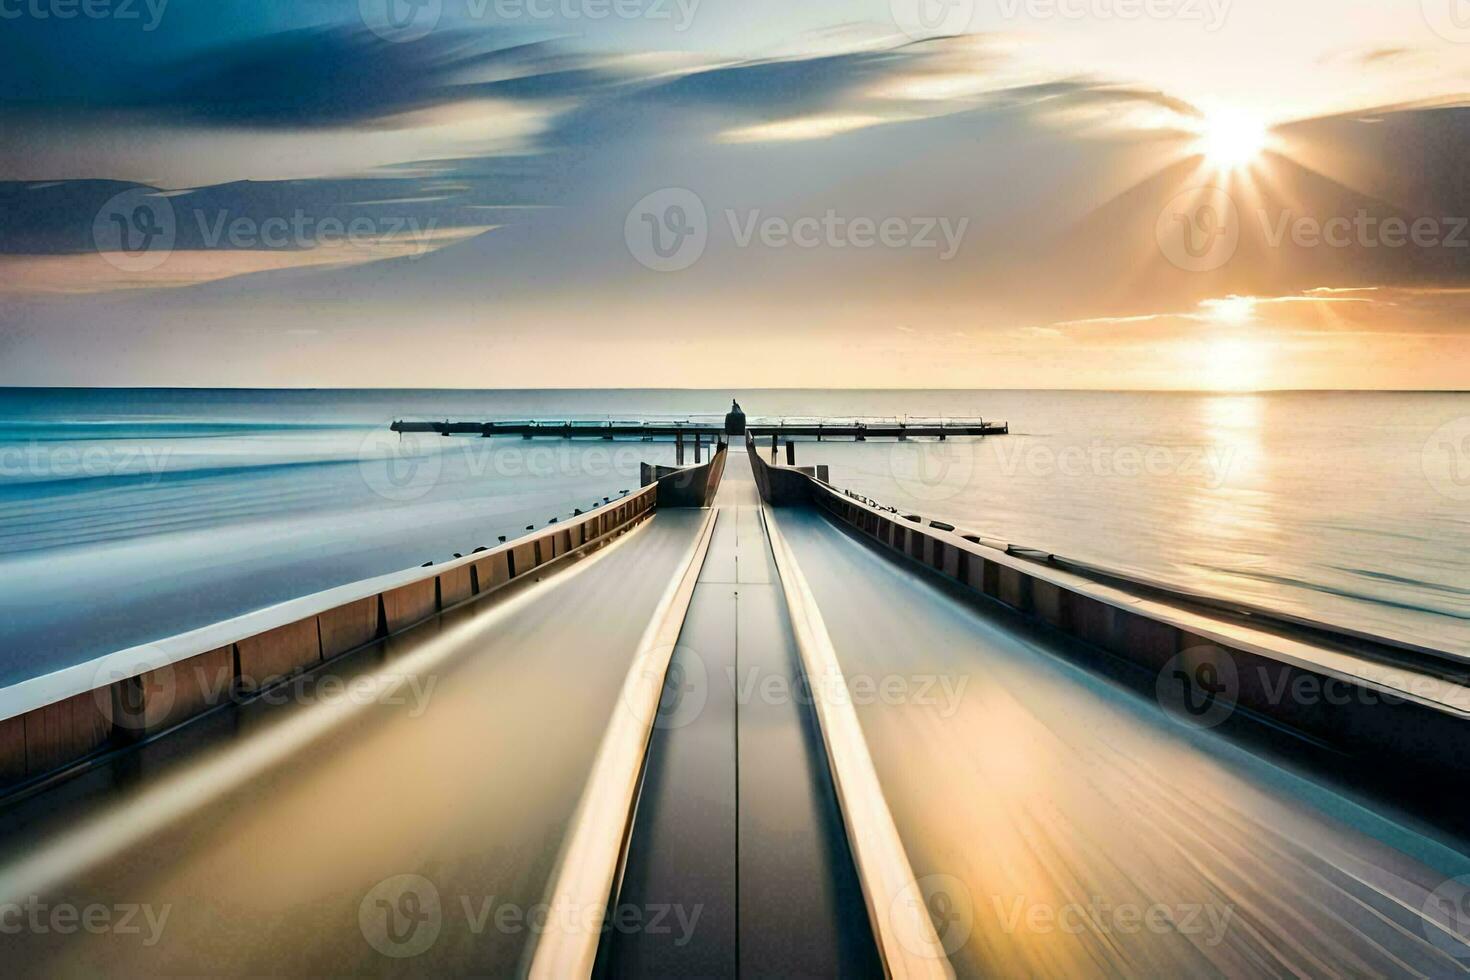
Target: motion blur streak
{"type": "Point", "coordinates": [1065, 810]}
{"type": "Point", "coordinates": [267, 828]}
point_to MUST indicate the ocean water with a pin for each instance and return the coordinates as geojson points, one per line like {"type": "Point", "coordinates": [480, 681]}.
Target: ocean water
{"type": "Point", "coordinates": [127, 514]}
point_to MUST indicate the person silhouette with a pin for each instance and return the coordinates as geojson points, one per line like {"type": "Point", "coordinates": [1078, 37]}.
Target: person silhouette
{"type": "Point", "coordinates": [735, 420]}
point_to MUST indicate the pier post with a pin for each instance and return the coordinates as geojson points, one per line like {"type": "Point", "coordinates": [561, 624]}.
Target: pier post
{"type": "Point", "coordinates": [696, 448]}
{"type": "Point", "coordinates": [773, 447]}
{"type": "Point", "coordinates": [679, 448]}
{"type": "Point", "coordinates": [790, 453]}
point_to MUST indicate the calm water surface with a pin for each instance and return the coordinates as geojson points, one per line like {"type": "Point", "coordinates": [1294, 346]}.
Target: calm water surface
{"type": "Point", "coordinates": [158, 511]}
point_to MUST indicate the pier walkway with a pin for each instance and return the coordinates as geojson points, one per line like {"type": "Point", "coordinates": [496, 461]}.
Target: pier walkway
{"type": "Point", "coordinates": [737, 813]}
{"type": "Point", "coordinates": [415, 804]}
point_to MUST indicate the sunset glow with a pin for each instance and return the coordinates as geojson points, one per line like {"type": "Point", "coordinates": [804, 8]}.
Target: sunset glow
{"type": "Point", "coordinates": [1231, 139]}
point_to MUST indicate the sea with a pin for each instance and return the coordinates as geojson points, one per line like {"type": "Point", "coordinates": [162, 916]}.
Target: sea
{"type": "Point", "coordinates": [127, 515]}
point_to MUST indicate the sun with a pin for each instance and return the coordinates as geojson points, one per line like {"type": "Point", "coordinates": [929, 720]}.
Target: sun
{"type": "Point", "coordinates": [1230, 310]}
{"type": "Point", "coordinates": [1230, 139]}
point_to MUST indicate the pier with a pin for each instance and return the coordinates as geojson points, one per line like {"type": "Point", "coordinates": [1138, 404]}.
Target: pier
{"type": "Point", "coordinates": [834, 429]}
{"type": "Point", "coordinates": [814, 734]}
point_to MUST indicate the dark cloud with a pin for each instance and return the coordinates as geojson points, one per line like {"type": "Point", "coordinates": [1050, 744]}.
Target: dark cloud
{"type": "Point", "coordinates": [338, 75]}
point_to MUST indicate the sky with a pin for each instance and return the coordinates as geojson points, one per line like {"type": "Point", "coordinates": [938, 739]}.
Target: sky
{"type": "Point", "coordinates": [1200, 194]}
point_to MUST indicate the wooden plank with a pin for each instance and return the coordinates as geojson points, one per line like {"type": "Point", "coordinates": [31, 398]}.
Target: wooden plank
{"type": "Point", "coordinates": [1049, 602]}
{"type": "Point", "coordinates": [1145, 640]}
{"type": "Point", "coordinates": [348, 626]}
{"type": "Point", "coordinates": [12, 750]}
{"type": "Point", "coordinates": [177, 692]}
{"type": "Point", "coordinates": [454, 586]}
{"type": "Point", "coordinates": [492, 572]}
{"type": "Point", "coordinates": [525, 557]}
{"type": "Point", "coordinates": [1013, 588]}
{"type": "Point", "coordinates": [409, 604]}
{"type": "Point", "coordinates": [61, 733]}
{"type": "Point", "coordinates": [279, 652]}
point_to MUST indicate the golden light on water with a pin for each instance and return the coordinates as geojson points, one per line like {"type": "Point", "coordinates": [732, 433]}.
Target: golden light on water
{"type": "Point", "coordinates": [1233, 363]}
